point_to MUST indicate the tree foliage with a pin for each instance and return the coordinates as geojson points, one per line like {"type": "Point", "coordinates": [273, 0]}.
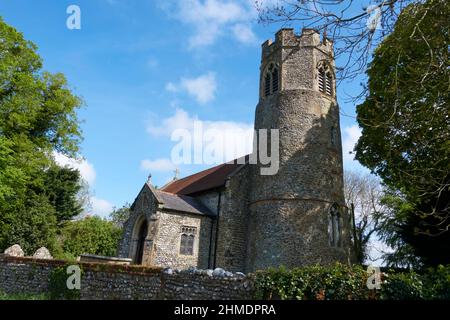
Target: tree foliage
{"type": "Point", "coordinates": [37, 118]}
{"type": "Point", "coordinates": [405, 121]}
{"type": "Point", "coordinates": [120, 215]}
{"type": "Point", "coordinates": [62, 186]}
{"type": "Point", "coordinates": [92, 235]}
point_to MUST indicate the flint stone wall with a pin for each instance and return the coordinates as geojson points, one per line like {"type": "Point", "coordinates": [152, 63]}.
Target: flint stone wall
{"type": "Point", "coordinates": [115, 282]}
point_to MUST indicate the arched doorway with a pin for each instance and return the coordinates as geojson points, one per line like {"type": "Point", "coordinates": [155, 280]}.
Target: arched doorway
{"type": "Point", "coordinates": [142, 236]}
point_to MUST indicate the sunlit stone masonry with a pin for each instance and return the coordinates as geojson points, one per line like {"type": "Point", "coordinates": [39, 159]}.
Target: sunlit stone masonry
{"type": "Point", "coordinates": [234, 217]}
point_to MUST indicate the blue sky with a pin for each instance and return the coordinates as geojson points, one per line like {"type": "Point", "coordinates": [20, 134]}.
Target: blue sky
{"type": "Point", "coordinates": [145, 67]}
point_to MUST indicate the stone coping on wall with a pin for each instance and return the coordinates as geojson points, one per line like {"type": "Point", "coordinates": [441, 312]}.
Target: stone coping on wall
{"type": "Point", "coordinates": [218, 273]}
{"type": "Point", "coordinates": [103, 259]}
{"type": "Point", "coordinates": [97, 266]}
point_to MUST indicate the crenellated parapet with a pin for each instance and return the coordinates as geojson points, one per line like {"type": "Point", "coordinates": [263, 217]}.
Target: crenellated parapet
{"type": "Point", "coordinates": [288, 38]}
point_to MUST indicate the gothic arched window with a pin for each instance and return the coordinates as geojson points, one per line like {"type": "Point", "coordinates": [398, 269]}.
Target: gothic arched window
{"type": "Point", "coordinates": [325, 78]}
{"type": "Point", "coordinates": [271, 80]}
{"type": "Point", "coordinates": [334, 226]}
{"type": "Point", "coordinates": [274, 80]}
{"type": "Point", "coordinates": [267, 85]}
{"type": "Point", "coordinates": [187, 240]}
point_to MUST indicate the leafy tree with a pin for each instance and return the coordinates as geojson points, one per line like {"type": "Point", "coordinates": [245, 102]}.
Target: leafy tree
{"type": "Point", "coordinates": [31, 224]}
{"type": "Point", "coordinates": [120, 215]}
{"type": "Point", "coordinates": [405, 121]}
{"type": "Point", "coordinates": [37, 118]}
{"type": "Point", "coordinates": [92, 235]}
{"type": "Point", "coordinates": [62, 187]}
{"type": "Point", "coordinates": [391, 220]}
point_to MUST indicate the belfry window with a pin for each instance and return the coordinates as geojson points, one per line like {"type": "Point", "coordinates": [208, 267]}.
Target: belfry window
{"type": "Point", "coordinates": [275, 80]}
{"type": "Point", "coordinates": [271, 80]}
{"type": "Point", "coordinates": [329, 84]}
{"type": "Point", "coordinates": [321, 80]}
{"type": "Point", "coordinates": [325, 78]}
{"type": "Point", "coordinates": [267, 85]}
{"type": "Point", "coordinates": [334, 226]}
{"type": "Point", "coordinates": [187, 240]}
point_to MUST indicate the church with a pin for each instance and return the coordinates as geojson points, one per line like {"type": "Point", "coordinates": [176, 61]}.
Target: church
{"type": "Point", "coordinates": [233, 217]}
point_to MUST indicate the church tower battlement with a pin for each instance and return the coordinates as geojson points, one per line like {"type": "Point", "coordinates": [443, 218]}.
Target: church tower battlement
{"type": "Point", "coordinates": [298, 216]}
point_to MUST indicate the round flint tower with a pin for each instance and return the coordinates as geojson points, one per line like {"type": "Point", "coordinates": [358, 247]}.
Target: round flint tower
{"type": "Point", "coordinates": [298, 215]}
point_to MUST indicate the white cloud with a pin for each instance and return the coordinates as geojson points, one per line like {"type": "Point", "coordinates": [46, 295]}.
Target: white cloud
{"type": "Point", "coordinates": [202, 88]}
{"type": "Point", "coordinates": [101, 207]}
{"type": "Point", "coordinates": [86, 168]}
{"type": "Point", "coordinates": [180, 119]}
{"type": "Point", "coordinates": [233, 139]}
{"type": "Point", "coordinates": [212, 19]}
{"type": "Point", "coordinates": [158, 165]}
{"type": "Point", "coordinates": [97, 206]}
{"type": "Point", "coordinates": [171, 87]}
{"type": "Point", "coordinates": [244, 34]}
{"type": "Point", "coordinates": [351, 136]}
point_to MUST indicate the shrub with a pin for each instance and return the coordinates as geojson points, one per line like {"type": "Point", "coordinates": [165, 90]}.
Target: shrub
{"type": "Point", "coordinates": [338, 282]}
{"type": "Point", "coordinates": [341, 282]}
{"type": "Point", "coordinates": [402, 286]}
{"type": "Point", "coordinates": [437, 283]}
{"type": "Point", "coordinates": [92, 235]}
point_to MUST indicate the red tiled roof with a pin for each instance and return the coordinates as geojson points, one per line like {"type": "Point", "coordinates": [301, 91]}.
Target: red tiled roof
{"type": "Point", "coordinates": [205, 180]}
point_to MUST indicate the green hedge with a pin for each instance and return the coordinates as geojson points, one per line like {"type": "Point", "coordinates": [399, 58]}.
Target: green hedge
{"type": "Point", "coordinates": [341, 282]}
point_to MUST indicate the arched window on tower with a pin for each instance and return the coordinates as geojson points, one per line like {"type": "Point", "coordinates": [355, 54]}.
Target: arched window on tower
{"type": "Point", "coordinates": [274, 80]}
{"type": "Point", "coordinates": [329, 84]}
{"type": "Point", "coordinates": [334, 226]}
{"type": "Point", "coordinates": [271, 80]}
{"type": "Point", "coordinates": [325, 78]}
{"type": "Point", "coordinates": [267, 85]}
{"type": "Point", "coordinates": [321, 76]}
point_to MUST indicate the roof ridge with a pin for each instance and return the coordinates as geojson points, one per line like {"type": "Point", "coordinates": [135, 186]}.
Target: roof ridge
{"type": "Point", "coordinates": [208, 179]}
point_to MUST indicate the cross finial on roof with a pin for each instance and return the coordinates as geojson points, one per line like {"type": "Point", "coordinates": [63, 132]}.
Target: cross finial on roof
{"type": "Point", "coordinates": [149, 178]}
{"type": "Point", "coordinates": [177, 174]}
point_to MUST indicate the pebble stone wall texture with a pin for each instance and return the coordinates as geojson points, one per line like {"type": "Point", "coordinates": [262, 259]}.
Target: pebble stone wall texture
{"type": "Point", "coordinates": [101, 281]}
{"type": "Point", "coordinates": [289, 211]}
{"type": "Point", "coordinates": [167, 242]}
{"type": "Point", "coordinates": [162, 247]}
